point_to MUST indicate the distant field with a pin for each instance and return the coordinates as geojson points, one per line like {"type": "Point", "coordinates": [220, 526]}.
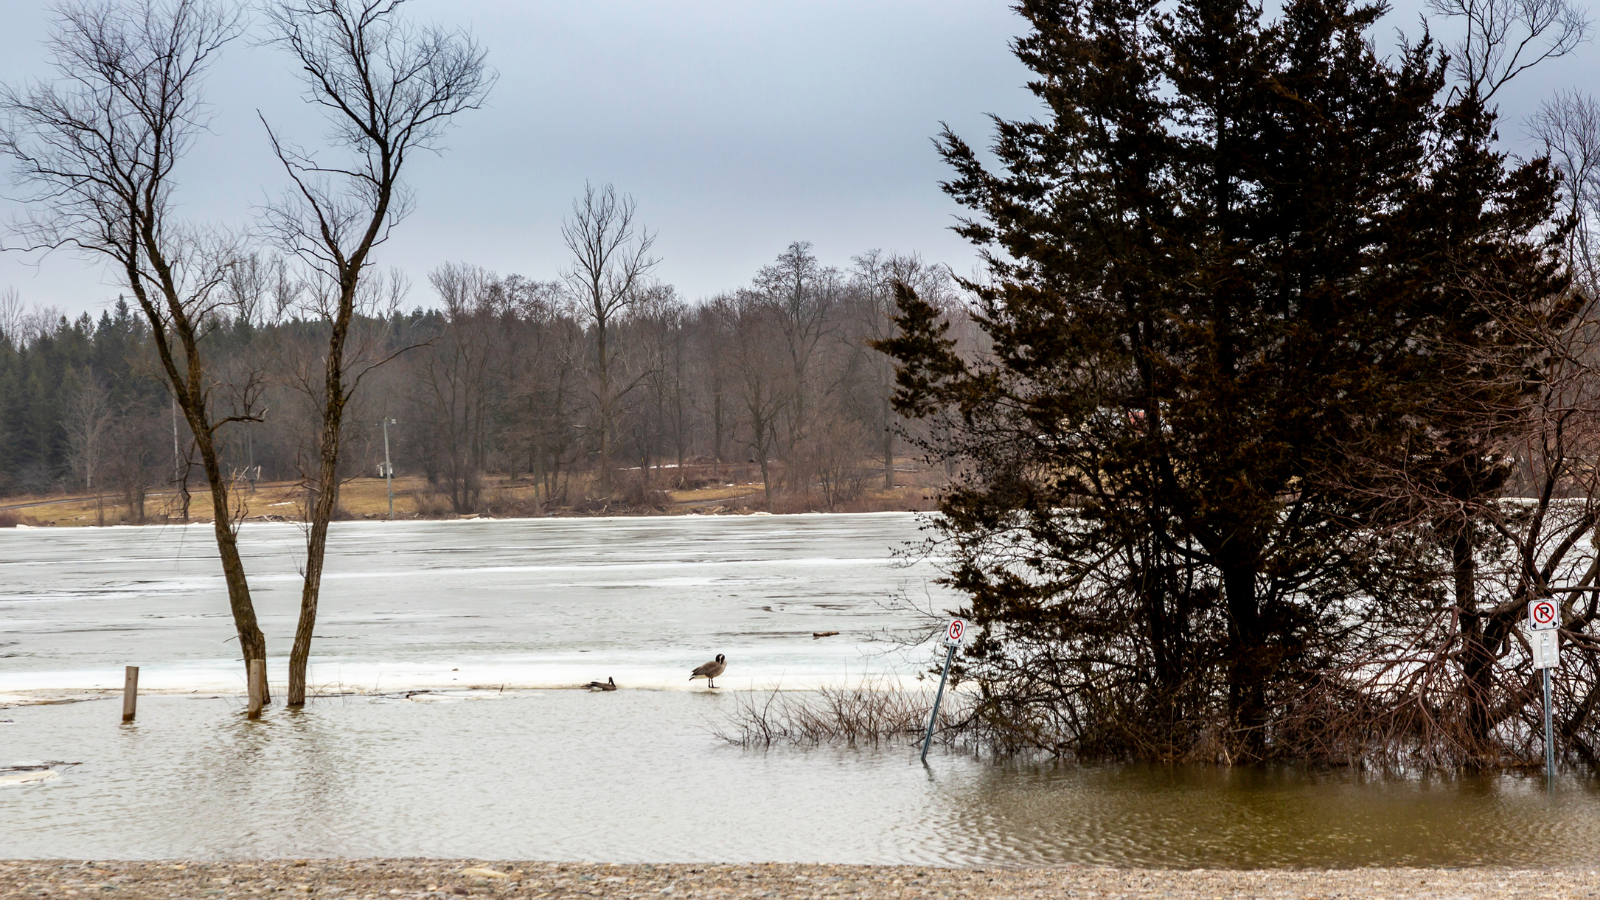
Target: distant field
{"type": "Point", "coordinates": [414, 497]}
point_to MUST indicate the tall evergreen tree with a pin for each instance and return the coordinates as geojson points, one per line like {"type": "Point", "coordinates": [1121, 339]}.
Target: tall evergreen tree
{"type": "Point", "coordinates": [1228, 253]}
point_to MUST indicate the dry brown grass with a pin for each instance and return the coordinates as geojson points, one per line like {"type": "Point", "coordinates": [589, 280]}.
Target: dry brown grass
{"type": "Point", "coordinates": [900, 499]}
{"type": "Point", "coordinates": [869, 714]}
{"type": "Point", "coordinates": [366, 498]}
{"type": "Point", "coordinates": [723, 492]}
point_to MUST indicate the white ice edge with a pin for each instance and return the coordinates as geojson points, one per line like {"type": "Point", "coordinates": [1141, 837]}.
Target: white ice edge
{"type": "Point", "coordinates": [225, 677]}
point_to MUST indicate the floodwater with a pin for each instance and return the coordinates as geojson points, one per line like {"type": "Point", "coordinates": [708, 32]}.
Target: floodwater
{"type": "Point", "coordinates": [637, 775]}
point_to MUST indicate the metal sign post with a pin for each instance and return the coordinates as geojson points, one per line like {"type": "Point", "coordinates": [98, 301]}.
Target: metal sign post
{"type": "Point", "coordinates": [1549, 745]}
{"type": "Point", "coordinates": [1543, 617]}
{"type": "Point", "coordinates": [952, 640]}
{"type": "Point", "coordinates": [388, 469]}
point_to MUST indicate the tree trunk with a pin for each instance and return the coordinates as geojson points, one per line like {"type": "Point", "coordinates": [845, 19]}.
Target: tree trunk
{"type": "Point", "coordinates": [316, 553]}
{"type": "Point", "coordinates": [326, 499]}
{"type": "Point", "coordinates": [252, 643]}
{"type": "Point", "coordinates": [605, 409]}
{"type": "Point", "coordinates": [1477, 663]}
{"type": "Point", "coordinates": [183, 491]}
{"type": "Point", "coordinates": [1248, 666]}
{"type": "Point", "coordinates": [716, 432]}
{"type": "Point", "coordinates": [766, 482]}
{"type": "Point", "coordinates": [888, 446]}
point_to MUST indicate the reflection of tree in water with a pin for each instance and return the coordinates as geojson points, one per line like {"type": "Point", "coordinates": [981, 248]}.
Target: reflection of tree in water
{"type": "Point", "coordinates": [1051, 813]}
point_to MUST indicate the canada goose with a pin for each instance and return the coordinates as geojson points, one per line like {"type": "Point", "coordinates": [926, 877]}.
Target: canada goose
{"type": "Point", "coordinates": [610, 684]}
{"type": "Point", "coordinates": [709, 671]}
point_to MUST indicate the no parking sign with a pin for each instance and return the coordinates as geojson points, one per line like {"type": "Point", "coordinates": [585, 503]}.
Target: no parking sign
{"type": "Point", "coordinates": [952, 634]}
{"type": "Point", "coordinates": [1542, 614]}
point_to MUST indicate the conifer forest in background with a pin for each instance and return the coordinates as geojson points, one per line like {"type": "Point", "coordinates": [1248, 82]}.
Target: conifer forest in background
{"type": "Point", "coordinates": [494, 375]}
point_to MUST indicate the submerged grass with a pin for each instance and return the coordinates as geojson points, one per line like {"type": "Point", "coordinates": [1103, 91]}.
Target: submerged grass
{"type": "Point", "coordinates": [872, 712]}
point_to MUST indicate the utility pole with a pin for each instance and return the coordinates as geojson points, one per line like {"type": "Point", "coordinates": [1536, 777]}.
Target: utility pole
{"type": "Point", "coordinates": [388, 468]}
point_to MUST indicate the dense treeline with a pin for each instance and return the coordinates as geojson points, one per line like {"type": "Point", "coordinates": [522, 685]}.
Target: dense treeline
{"type": "Point", "coordinates": [1291, 407]}
{"type": "Point", "coordinates": [500, 375]}
{"type": "Point", "coordinates": [56, 375]}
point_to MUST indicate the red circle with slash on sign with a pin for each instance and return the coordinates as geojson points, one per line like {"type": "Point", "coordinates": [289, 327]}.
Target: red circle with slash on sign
{"type": "Point", "coordinates": [952, 635]}
{"type": "Point", "coordinates": [1542, 614]}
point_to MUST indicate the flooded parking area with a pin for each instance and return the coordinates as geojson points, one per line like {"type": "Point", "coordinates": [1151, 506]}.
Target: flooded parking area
{"type": "Point", "coordinates": [637, 776]}
{"type": "Point", "coordinates": [519, 768]}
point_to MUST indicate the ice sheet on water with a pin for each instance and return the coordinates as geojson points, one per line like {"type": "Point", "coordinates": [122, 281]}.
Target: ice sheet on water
{"type": "Point", "coordinates": [540, 602]}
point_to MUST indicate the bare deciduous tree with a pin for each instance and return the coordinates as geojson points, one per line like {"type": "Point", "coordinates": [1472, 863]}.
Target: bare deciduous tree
{"type": "Point", "coordinates": [873, 301]}
{"type": "Point", "coordinates": [1504, 38]}
{"type": "Point", "coordinates": [455, 377]}
{"type": "Point", "coordinates": [801, 295]}
{"type": "Point", "coordinates": [88, 419]}
{"type": "Point", "coordinates": [760, 383]}
{"type": "Point", "coordinates": [542, 385]}
{"type": "Point", "coordinates": [11, 315]}
{"type": "Point", "coordinates": [99, 151]}
{"type": "Point", "coordinates": [389, 89]}
{"type": "Point", "coordinates": [1568, 125]}
{"type": "Point", "coordinates": [610, 262]}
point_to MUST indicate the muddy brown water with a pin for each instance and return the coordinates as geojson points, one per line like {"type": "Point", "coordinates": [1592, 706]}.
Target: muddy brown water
{"type": "Point", "coordinates": [636, 776]}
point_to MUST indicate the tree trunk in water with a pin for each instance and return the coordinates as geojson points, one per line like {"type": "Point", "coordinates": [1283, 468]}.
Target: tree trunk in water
{"type": "Point", "coordinates": [1477, 663]}
{"type": "Point", "coordinates": [326, 500]}
{"type": "Point", "coordinates": [252, 642]}
{"type": "Point", "coordinates": [316, 552]}
{"type": "Point", "coordinates": [1248, 666]}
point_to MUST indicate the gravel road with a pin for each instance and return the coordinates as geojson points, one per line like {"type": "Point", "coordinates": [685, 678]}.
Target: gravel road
{"type": "Point", "coordinates": [381, 879]}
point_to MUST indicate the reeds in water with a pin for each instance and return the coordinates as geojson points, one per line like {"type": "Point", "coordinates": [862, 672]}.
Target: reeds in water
{"type": "Point", "coordinates": [870, 713]}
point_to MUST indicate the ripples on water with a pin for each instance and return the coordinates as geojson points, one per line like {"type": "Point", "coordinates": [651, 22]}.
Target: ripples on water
{"type": "Point", "coordinates": [636, 776]}
{"type": "Point", "coordinates": [628, 776]}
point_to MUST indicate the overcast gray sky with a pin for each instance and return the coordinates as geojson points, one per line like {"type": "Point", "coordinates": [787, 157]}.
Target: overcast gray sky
{"type": "Point", "coordinates": [737, 126]}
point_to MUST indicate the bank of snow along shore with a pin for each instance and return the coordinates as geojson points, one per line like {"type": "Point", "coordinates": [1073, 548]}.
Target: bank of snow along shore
{"type": "Point", "coordinates": [380, 879]}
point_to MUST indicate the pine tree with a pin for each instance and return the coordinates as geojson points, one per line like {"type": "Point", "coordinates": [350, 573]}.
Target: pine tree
{"type": "Point", "coordinates": [1224, 257]}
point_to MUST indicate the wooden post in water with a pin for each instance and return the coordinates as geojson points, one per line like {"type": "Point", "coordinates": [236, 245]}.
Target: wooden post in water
{"type": "Point", "coordinates": [130, 692]}
{"type": "Point", "coordinates": [258, 686]}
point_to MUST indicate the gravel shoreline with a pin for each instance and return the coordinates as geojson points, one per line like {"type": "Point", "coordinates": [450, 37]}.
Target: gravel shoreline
{"type": "Point", "coordinates": [432, 879]}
